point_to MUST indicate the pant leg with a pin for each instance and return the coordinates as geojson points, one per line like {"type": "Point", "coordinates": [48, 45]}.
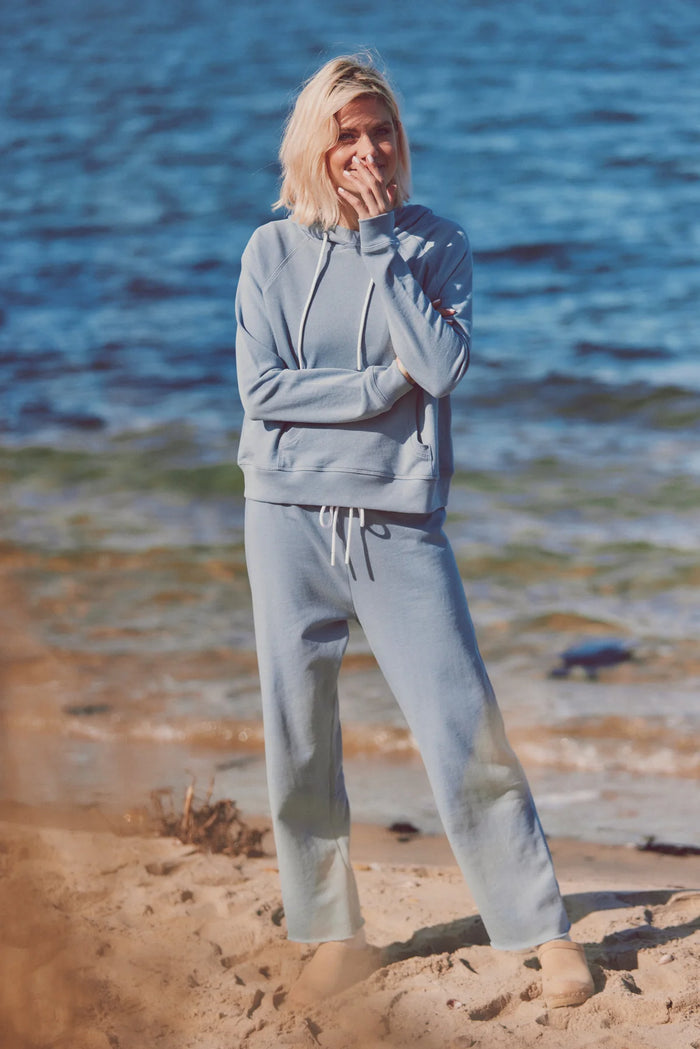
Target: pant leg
{"type": "Point", "coordinates": [301, 607]}
{"type": "Point", "coordinates": [410, 601]}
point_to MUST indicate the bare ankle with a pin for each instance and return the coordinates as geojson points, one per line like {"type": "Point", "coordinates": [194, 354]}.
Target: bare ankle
{"type": "Point", "coordinates": [358, 941]}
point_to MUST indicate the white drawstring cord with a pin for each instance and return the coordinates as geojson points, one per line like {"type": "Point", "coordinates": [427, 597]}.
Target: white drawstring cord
{"type": "Point", "coordinates": [330, 524]}
{"type": "Point", "coordinates": [363, 323]}
{"type": "Point", "coordinates": [361, 518]}
{"type": "Point", "coordinates": [333, 523]}
{"type": "Point", "coordinates": [307, 306]}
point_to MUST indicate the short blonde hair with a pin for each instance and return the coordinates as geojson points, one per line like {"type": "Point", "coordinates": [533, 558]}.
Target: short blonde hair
{"type": "Point", "coordinates": [312, 129]}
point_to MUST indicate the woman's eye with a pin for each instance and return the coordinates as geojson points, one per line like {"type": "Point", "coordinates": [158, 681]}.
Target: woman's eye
{"type": "Point", "coordinates": [345, 136]}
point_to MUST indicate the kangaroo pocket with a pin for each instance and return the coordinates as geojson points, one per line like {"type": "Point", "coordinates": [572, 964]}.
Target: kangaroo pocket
{"type": "Point", "coordinates": [387, 446]}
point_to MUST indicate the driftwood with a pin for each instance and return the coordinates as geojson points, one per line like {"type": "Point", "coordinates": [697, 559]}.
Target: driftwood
{"type": "Point", "coordinates": [217, 827]}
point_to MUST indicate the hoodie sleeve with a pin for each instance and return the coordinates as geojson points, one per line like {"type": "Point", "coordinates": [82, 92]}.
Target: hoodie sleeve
{"type": "Point", "coordinates": [433, 350]}
{"type": "Point", "coordinates": [272, 390]}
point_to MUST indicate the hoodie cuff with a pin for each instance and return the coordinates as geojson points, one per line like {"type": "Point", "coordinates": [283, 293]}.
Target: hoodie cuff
{"type": "Point", "coordinates": [377, 234]}
{"type": "Point", "coordinates": [390, 383]}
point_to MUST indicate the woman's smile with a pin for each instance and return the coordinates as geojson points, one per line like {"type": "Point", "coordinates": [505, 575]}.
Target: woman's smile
{"type": "Point", "coordinates": [366, 133]}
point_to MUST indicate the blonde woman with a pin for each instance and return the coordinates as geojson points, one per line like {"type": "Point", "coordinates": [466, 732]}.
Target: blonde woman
{"type": "Point", "coordinates": [354, 325]}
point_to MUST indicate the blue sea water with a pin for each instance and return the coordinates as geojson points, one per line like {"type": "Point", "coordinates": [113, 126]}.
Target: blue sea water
{"type": "Point", "coordinates": [138, 145]}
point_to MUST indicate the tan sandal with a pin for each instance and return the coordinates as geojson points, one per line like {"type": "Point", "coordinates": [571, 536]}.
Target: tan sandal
{"type": "Point", "coordinates": [566, 978]}
{"type": "Point", "coordinates": [334, 967]}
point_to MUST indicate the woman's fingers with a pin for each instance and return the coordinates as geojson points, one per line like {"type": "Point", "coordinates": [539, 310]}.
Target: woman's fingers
{"type": "Point", "coordinates": [373, 196]}
{"type": "Point", "coordinates": [355, 202]}
{"type": "Point", "coordinates": [369, 196]}
{"type": "Point", "coordinates": [364, 208]}
{"type": "Point", "coordinates": [444, 311]}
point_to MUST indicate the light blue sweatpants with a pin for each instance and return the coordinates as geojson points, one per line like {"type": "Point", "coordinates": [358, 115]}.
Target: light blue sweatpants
{"type": "Point", "coordinates": [403, 587]}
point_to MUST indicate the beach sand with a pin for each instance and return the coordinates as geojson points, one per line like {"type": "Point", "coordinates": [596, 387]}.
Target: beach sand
{"type": "Point", "coordinates": [113, 940]}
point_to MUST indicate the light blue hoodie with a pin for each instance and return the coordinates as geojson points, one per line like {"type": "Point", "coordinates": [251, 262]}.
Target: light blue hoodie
{"type": "Point", "coordinates": [329, 417]}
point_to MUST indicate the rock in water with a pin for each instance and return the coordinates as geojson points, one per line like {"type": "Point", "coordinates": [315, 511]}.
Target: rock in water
{"type": "Point", "coordinates": [592, 656]}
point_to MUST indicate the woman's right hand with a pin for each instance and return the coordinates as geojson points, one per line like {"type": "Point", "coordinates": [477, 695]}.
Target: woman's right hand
{"type": "Point", "coordinates": [371, 196]}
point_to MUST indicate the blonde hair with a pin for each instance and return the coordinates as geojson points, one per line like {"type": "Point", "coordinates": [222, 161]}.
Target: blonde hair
{"type": "Point", "coordinates": [312, 129]}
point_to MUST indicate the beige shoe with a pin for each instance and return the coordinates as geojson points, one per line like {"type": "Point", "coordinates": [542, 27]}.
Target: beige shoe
{"type": "Point", "coordinates": [566, 978]}
{"type": "Point", "coordinates": [334, 967]}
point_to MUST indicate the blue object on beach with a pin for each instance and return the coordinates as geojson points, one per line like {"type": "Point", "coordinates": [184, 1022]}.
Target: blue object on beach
{"type": "Point", "coordinates": [592, 656]}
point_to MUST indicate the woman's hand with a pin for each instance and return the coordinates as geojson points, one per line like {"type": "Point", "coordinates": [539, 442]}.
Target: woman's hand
{"type": "Point", "coordinates": [400, 366]}
{"type": "Point", "coordinates": [444, 311]}
{"type": "Point", "coordinates": [366, 193]}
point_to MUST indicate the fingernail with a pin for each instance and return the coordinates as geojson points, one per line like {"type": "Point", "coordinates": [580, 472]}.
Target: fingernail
{"type": "Point", "coordinates": [370, 158]}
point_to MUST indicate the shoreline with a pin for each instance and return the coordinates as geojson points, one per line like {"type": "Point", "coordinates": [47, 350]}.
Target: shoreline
{"type": "Point", "coordinates": [372, 843]}
{"type": "Point", "coordinates": [117, 777]}
{"type": "Point", "coordinates": [105, 697]}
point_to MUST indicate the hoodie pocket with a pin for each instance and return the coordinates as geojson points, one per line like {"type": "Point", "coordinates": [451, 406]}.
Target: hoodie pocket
{"type": "Point", "coordinates": [387, 446]}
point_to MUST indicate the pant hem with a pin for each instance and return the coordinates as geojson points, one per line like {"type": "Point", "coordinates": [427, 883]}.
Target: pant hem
{"type": "Point", "coordinates": [326, 939]}
{"type": "Point", "coordinates": [532, 942]}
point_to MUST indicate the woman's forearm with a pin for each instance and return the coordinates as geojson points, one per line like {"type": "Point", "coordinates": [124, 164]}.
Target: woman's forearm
{"type": "Point", "coordinates": [431, 342]}
{"type": "Point", "coordinates": [271, 391]}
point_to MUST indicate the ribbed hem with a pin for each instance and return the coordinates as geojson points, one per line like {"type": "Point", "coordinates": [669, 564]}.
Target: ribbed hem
{"type": "Point", "coordinates": [377, 234]}
{"type": "Point", "coordinates": [335, 488]}
{"type": "Point", "coordinates": [390, 383]}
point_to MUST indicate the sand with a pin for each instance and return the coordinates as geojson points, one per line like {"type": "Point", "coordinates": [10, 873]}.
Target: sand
{"type": "Point", "coordinates": [113, 940]}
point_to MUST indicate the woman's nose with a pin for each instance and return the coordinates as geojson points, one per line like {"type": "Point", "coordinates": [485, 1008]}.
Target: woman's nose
{"type": "Point", "coordinates": [365, 145]}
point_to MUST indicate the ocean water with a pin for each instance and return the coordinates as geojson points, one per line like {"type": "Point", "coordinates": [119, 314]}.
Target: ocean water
{"type": "Point", "coordinates": [138, 149]}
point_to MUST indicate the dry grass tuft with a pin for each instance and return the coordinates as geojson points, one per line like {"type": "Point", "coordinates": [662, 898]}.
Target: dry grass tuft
{"type": "Point", "coordinates": [217, 827]}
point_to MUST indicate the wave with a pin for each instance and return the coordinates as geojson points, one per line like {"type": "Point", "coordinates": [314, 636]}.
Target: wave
{"type": "Point", "coordinates": [622, 353]}
{"type": "Point", "coordinates": [664, 407]}
{"type": "Point", "coordinates": [608, 116]}
{"type": "Point", "coordinates": [41, 413]}
{"type": "Point", "coordinates": [613, 744]}
{"type": "Point", "coordinates": [604, 744]}
{"type": "Point", "coordinates": [150, 288]}
{"type": "Point", "coordinates": [550, 251]}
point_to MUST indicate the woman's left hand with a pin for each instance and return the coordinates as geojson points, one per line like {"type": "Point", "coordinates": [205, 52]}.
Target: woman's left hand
{"type": "Point", "coordinates": [368, 196]}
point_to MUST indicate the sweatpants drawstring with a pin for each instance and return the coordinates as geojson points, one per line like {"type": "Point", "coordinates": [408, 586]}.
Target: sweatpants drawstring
{"type": "Point", "coordinates": [325, 522]}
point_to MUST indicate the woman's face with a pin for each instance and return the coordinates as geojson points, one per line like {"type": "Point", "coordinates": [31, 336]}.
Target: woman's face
{"type": "Point", "coordinates": [365, 127]}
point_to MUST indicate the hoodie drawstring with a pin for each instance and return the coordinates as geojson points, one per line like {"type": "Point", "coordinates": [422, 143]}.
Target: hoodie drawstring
{"type": "Point", "coordinates": [309, 300]}
{"type": "Point", "coordinates": [310, 297]}
{"type": "Point", "coordinates": [333, 523]}
{"type": "Point", "coordinates": [363, 324]}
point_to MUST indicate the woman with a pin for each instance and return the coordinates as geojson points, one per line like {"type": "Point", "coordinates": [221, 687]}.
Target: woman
{"type": "Point", "coordinates": [354, 324]}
